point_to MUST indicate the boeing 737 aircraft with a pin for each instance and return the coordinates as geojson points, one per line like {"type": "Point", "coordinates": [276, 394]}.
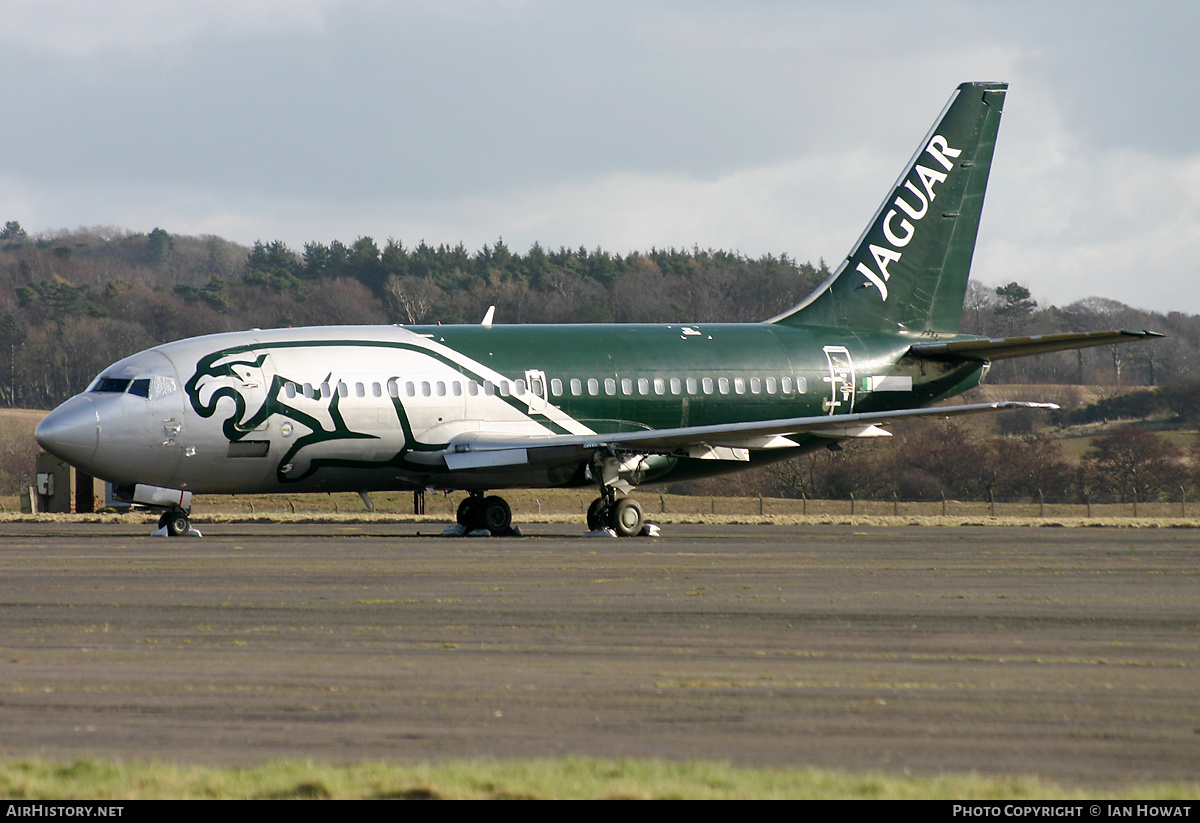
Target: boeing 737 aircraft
{"type": "Point", "coordinates": [487, 407]}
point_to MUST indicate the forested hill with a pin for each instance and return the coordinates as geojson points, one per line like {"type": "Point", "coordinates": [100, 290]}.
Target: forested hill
{"type": "Point", "coordinates": [73, 302]}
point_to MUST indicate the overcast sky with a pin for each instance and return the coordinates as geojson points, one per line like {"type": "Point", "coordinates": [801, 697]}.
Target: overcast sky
{"type": "Point", "coordinates": [762, 127]}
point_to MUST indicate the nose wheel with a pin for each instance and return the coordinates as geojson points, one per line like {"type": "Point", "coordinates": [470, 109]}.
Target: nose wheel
{"type": "Point", "coordinates": [176, 522]}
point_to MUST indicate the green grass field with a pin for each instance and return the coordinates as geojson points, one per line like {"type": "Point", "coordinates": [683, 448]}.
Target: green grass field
{"type": "Point", "coordinates": [565, 778]}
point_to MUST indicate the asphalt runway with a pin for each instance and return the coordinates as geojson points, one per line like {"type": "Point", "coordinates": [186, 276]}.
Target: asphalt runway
{"type": "Point", "coordinates": [1070, 653]}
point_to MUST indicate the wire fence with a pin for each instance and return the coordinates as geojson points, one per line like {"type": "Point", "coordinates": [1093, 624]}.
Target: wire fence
{"type": "Point", "coordinates": [529, 504]}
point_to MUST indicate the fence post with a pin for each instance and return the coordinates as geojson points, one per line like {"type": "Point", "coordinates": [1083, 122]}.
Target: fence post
{"type": "Point", "coordinates": [991, 502]}
{"type": "Point", "coordinates": [943, 504]}
{"type": "Point", "coordinates": [1087, 498]}
{"type": "Point", "coordinates": [712, 504]}
{"type": "Point", "coordinates": [662, 504]}
{"type": "Point", "coordinates": [851, 504]}
{"type": "Point", "coordinates": [1135, 503]}
{"type": "Point", "coordinates": [1041, 504]}
{"type": "Point", "coordinates": [1182, 502]}
{"type": "Point", "coordinates": [803, 503]}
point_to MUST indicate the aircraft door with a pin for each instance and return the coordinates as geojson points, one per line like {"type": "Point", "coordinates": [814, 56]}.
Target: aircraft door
{"type": "Point", "coordinates": [537, 391]}
{"type": "Point", "coordinates": [841, 381]}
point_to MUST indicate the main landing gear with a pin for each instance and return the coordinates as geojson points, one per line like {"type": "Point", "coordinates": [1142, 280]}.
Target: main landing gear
{"type": "Point", "coordinates": [176, 522]}
{"type": "Point", "coordinates": [623, 516]}
{"type": "Point", "coordinates": [491, 513]}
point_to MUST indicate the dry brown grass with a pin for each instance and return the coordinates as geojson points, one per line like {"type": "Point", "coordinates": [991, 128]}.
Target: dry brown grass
{"type": "Point", "coordinates": [18, 449]}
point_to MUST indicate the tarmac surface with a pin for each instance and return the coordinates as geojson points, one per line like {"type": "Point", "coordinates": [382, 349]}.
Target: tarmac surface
{"type": "Point", "coordinates": [1069, 653]}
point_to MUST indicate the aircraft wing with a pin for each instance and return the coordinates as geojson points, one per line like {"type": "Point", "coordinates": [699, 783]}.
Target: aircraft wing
{"type": "Point", "coordinates": [999, 348]}
{"type": "Point", "coordinates": [479, 449]}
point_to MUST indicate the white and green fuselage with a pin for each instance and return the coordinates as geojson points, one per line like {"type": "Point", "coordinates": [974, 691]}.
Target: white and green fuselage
{"type": "Point", "coordinates": [357, 408]}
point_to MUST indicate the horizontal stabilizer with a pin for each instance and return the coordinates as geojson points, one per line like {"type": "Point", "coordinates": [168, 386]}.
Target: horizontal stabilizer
{"type": "Point", "coordinates": [999, 348]}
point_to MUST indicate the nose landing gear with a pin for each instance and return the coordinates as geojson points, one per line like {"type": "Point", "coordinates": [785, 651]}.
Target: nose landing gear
{"type": "Point", "coordinates": [176, 522]}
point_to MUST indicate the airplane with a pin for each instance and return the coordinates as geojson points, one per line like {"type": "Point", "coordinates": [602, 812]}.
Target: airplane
{"type": "Point", "coordinates": [480, 408]}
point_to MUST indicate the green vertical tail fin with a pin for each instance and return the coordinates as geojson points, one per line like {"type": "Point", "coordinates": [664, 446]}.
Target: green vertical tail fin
{"type": "Point", "coordinates": [909, 269]}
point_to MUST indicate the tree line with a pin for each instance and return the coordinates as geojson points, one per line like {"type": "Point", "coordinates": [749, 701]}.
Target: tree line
{"type": "Point", "coordinates": [952, 460]}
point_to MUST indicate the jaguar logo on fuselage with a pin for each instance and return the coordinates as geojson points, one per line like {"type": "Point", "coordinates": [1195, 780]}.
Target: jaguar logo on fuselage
{"type": "Point", "coordinates": [235, 383]}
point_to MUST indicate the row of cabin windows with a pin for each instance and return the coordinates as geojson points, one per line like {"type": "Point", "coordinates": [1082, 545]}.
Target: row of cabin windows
{"type": "Point", "coordinates": [425, 388]}
{"type": "Point", "coordinates": [645, 386]}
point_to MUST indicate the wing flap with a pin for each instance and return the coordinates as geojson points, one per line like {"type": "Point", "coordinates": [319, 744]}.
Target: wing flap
{"type": "Point", "coordinates": [682, 441]}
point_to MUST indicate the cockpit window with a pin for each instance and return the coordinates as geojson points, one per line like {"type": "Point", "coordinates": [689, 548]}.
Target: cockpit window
{"type": "Point", "coordinates": [115, 385]}
{"type": "Point", "coordinates": [161, 385]}
{"type": "Point", "coordinates": [147, 387]}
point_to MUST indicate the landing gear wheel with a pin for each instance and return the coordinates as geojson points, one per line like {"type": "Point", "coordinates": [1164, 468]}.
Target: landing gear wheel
{"type": "Point", "coordinates": [595, 515]}
{"type": "Point", "coordinates": [626, 517]}
{"type": "Point", "coordinates": [176, 523]}
{"type": "Point", "coordinates": [497, 516]}
{"type": "Point", "coordinates": [467, 515]}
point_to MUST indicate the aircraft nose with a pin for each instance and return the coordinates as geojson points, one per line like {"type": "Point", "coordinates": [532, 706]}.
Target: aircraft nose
{"type": "Point", "coordinates": [71, 432]}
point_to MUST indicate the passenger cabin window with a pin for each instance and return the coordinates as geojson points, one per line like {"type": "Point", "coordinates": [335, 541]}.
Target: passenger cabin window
{"type": "Point", "coordinates": [786, 384]}
{"type": "Point", "coordinates": [343, 389]}
{"type": "Point", "coordinates": [360, 390]}
{"type": "Point", "coordinates": [691, 385]}
{"type": "Point", "coordinates": [576, 387]}
{"type": "Point", "coordinates": [723, 385]}
{"type": "Point", "coordinates": [660, 386]}
{"type": "Point", "coordinates": [643, 385]}
{"type": "Point", "coordinates": [556, 387]}
{"type": "Point", "coordinates": [393, 388]}
{"type": "Point", "coordinates": [755, 385]}
{"type": "Point", "coordinates": [289, 390]}
{"type": "Point", "coordinates": [593, 386]}
{"type": "Point", "coordinates": [770, 381]}
{"type": "Point", "coordinates": [626, 386]}
{"type": "Point", "coordinates": [610, 386]}
{"type": "Point", "coordinates": [801, 385]}
{"type": "Point", "coordinates": [739, 385]}
{"type": "Point", "coordinates": [676, 386]}
{"type": "Point", "coordinates": [707, 385]}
